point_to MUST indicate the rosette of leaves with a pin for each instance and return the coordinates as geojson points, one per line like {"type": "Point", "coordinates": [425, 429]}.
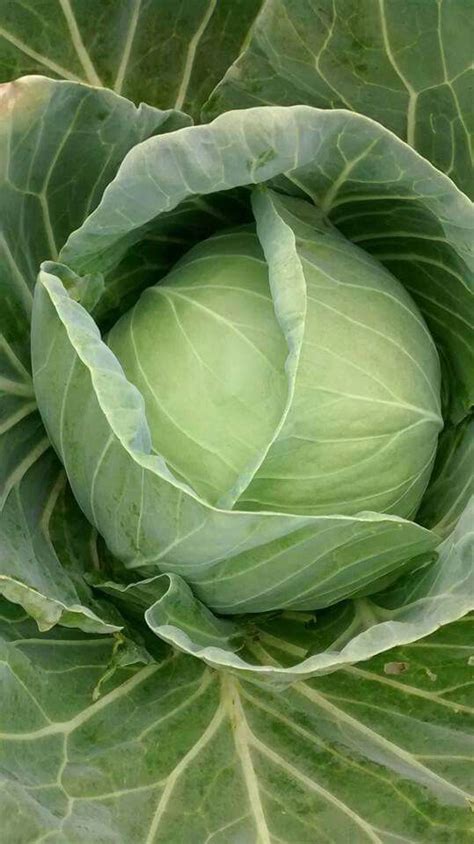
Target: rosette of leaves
{"type": "Point", "coordinates": [236, 382]}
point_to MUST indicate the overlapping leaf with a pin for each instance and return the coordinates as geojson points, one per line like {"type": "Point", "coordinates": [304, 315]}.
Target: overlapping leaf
{"type": "Point", "coordinates": [174, 750]}
{"type": "Point", "coordinates": [452, 484]}
{"type": "Point", "coordinates": [160, 52]}
{"type": "Point", "coordinates": [407, 65]}
{"type": "Point", "coordinates": [42, 570]}
{"type": "Point", "coordinates": [61, 143]}
{"type": "Point", "coordinates": [312, 644]}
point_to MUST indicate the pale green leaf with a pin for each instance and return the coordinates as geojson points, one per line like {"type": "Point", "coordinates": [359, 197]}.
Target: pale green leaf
{"type": "Point", "coordinates": [60, 144]}
{"type": "Point", "coordinates": [42, 565]}
{"type": "Point", "coordinates": [283, 647]}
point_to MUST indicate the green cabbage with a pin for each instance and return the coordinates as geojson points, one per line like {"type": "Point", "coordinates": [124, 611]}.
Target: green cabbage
{"type": "Point", "coordinates": [236, 421]}
{"type": "Point", "coordinates": [205, 349]}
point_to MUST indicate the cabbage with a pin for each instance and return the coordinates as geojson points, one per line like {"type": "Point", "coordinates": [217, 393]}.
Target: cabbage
{"type": "Point", "coordinates": [205, 349]}
{"type": "Point", "coordinates": [236, 429]}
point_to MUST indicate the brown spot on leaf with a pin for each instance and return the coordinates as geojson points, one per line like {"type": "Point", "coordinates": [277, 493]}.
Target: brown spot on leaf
{"type": "Point", "coordinates": [395, 667]}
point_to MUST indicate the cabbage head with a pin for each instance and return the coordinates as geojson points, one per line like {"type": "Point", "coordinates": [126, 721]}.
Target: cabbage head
{"type": "Point", "coordinates": [206, 350]}
{"type": "Point", "coordinates": [262, 419]}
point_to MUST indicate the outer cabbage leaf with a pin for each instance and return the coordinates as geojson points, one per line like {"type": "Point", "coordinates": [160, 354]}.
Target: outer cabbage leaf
{"type": "Point", "coordinates": [166, 601]}
{"type": "Point", "coordinates": [174, 751]}
{"type": "Point", "coordinates": [42, 569]}
{"type": "Point", "coordinates": [309, 644]}
{"type": "Point", "coordinates": [60, 144]}
{"type": "Point", "coordinates": [48, 130]}
{"type": "Point", "coordinates": [407, 65]}
{"type": "Point", "coordinates": [162, 52]}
